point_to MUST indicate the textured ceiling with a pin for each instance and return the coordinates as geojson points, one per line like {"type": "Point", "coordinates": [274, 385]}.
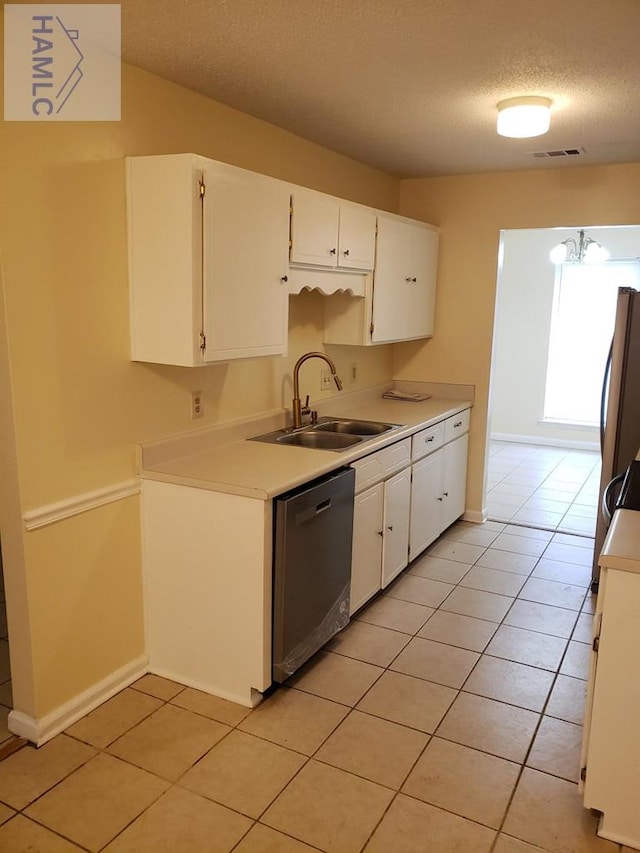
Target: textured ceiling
{"type": "Point", "coordinates": [408, 86]}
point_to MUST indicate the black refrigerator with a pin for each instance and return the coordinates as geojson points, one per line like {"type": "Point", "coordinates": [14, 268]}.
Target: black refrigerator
{"type": "Point", "coordinates": [620, 414]}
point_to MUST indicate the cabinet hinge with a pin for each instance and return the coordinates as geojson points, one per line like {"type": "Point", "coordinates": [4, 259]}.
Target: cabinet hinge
{"type": "Point", "coordinates": [596, 644]}
{"type": "Point", "coordinates": [203, 341]}
{"type": "Point", "coordinates": [583, 774]}
{"type": "Point", "coordinates": [201, 187]}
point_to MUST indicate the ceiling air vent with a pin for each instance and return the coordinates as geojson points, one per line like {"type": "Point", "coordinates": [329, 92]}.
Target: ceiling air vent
{"type": "Point", "coordinates": [559, 152]}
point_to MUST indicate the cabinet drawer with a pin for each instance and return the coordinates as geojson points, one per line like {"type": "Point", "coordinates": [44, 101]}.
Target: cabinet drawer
{"type": "Point", "coordinates": [377, 466]}
{"type": "Point", "coordinates": [426, 441]}
{"type": "Point", "coordinates": [456, 425]}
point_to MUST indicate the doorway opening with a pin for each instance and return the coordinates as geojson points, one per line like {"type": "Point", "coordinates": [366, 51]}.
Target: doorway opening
{"type": "Point", "coordinates": [553, 326]}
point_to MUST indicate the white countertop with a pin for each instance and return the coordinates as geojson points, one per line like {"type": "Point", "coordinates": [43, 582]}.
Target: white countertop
{"type": "Point", "coordinates": [621, 549]}
{"type": "Point", "coordinates": [235, 465]}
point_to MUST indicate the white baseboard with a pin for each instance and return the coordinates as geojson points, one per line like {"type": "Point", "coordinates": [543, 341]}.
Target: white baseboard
{"type": "Point", "coordinates": [39, 731]}
{"type": "Point", "coordinates": [248, 700]}
{"type": "Point", "coordinates": [547, 442]}
{"type": "Point", "coordinates": [475, 516]}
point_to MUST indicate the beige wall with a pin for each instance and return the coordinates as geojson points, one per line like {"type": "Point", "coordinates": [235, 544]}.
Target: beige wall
{"type": "Point", "coordinates": [78, 404]}
{"type": "Point", "coordinates": [471, 210]}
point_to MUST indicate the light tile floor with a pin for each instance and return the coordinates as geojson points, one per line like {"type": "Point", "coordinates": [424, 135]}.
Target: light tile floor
{"type": "Point", "coordinates": [446, 718]}
{"type": "Point", "coordinates": [547, 487]}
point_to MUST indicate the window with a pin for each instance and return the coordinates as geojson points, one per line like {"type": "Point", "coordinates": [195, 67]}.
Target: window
{"type": "Point", "coordinates": [582, 320]}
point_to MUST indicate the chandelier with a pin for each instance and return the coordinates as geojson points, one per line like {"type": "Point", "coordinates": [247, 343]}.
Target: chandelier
{"type": "Point", "coordinates": [584, 250]}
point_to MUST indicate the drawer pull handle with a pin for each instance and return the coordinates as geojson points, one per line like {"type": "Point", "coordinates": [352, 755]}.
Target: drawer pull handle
{"type": "Point", "coordinates": [440, 498]}
{"type": "Point", "coordinates": [457, 424]}
{"type": "Point", "coordinates": [390, 527]}
{"type": "Point", "coordinates": [431, 437]}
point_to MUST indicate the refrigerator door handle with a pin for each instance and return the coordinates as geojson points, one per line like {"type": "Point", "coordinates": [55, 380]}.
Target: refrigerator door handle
{"type": "Point", "coordinates": [603, 397]}
{"type": "Point", "coordinates": [607, 508]}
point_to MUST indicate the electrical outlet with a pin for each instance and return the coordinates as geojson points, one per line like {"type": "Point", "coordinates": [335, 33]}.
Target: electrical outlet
{"type": "Point", "coordinates": [353, 376]}
{"type": "Point", "coordinates": [326, 380]}
{"type": "Point", "coordinates": [197, 409]}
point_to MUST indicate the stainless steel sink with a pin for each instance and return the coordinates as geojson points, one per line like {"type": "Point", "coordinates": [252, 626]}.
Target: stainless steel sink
{"type": "Point", "coordinates": [328, 434]}
{"type": "Point", "coordinates": [320, 440]}
{"type": "Point", "coordinates": [354, 427]}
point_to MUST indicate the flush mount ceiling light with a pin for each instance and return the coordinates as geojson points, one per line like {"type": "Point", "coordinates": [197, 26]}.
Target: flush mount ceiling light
{"type": "Point", "coordinates": [584, 250]}
{"type": "Point", "coordinates": [523, 117]}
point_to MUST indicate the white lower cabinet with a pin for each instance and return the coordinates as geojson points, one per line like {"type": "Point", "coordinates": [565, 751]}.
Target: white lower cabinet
{"type": "Point", "coordinates": [380, 537]}
{"type": "Point", "coordinates": [438, 491]}
{"type": "Point", "coordinates": [454, 480]}
{"type": "Point", "coordinates": [395, 539]}
{"type": "Point", "coordinates": [426, 502]}
{"type": "Point", "coordinates": [380, 520]}
{"type": "Point", "coordinates": [401, 508]}
{"type": "Point", "coordinates": [207, 588]}
{"type": "Point", "coordinates": [207, 559]}
{"type": "Point", "coordinates": [611, 746]}
{"type": "Point", "coordinates": [366, 554]}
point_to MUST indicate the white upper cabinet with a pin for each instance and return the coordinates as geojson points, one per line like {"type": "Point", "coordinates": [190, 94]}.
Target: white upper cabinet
{"type": "Point", "coordinates": [208, 261]}
{"type": "Point", "coordinates": [329, 233]}
{"type": "Point", "coordinates": [399, 298]}
{"type": "Point", "coordinates": [356, 238]}
{"type": "Point", "coordinates": [245, 305]}
{"type": "Point", "coordinates": [215, 251]}
{"type": "Point", "coordinates": [404, 284]}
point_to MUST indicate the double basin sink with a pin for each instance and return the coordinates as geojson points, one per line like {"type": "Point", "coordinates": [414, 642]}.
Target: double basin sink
{"type": "Point", "coordinates": [328, 434]}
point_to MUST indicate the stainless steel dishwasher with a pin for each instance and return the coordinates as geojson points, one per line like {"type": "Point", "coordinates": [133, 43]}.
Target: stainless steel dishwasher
{"type": "Point", "coordinates": [311, 568]}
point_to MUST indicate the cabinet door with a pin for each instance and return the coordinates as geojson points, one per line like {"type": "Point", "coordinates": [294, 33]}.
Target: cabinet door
{"type": "Point", "coordinates": [455, 480]}
{"type": "Point", "coordinates": [404, 281]}
{"type": "Point", "coordinates": [165, 259]}
{"type": "Point", "coordinates": [423, 253]}
{"type": "Point", "coordinates": [357, 238]}
{"type": "Point", "coordinates": [366, 554]}
{"type": "Point", "coordinates": [395, 543]}
{"type": "Point", "coordinates": [426, 502]}
{"type": "Point", "coordinates": [613, 746]}
{"type": "Point", "coordinates": [314, 229]}
{"type": "Point", "coordinates": [245, 259]}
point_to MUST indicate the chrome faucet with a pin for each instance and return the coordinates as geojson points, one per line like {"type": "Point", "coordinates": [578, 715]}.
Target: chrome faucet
{"type": "Point", "coordinates": [298, 409]}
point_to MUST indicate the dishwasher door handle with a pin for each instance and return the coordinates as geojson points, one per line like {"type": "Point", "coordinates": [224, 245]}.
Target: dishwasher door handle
{"type": "Point", "coordinates": [321, 507]}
